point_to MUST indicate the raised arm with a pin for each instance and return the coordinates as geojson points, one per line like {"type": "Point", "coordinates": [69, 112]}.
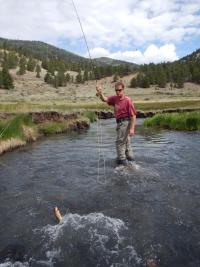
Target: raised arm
{"type": "Point", "coordinates": [100, 94]}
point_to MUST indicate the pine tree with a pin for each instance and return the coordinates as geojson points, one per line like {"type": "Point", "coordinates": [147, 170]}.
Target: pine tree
{"type": "Point", "coordinates": [1, 79]}
{"type": "Point", "coordinates": [79, 78]}
{"type": "Point", "coordinates": [38, 71]}
{"type": "Point", "coordinates": [10, 60]}
{"type": "Point", "coordinates": [61, 78]}
{"type": "Point", "coordinates": [97, 75]}
{"type": "Point", "coordinates": [161, 78]}
{"type": "Point", "coordinates": [55, 81]}
{"type": "Point", "coordinates": [115, 78]}
{"type": "Point", "coordinates": [22, 66]}
{"type": "Point", "coordinates": [133, 83]}
{"type": "Point", "coordinates": [85, 76]}
{"type": "Point", "coordinates": [67, 77]}
{"type": "Point", "coordinates": [31, 64]}
{"type": "Point", "coordinates": [7, 79]}
{"type": "Point", "coordinates": [48, 78]}
{"type": "Point", "coordinates": [180, 81]}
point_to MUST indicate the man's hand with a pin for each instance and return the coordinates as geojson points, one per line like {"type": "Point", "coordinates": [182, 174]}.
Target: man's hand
{"type": "Point", "coordinates": [131, 132]}
{"type": "Point", "coordinates": [98, 89]}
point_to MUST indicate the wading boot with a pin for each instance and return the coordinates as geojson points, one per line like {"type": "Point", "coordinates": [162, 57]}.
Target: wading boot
{"type": "Point", "coordinates": [130, 158]}
{"type": "Point", "coordinates": [122, 162]}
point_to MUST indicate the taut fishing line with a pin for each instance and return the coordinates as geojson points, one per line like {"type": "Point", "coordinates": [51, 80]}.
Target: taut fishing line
{"type": "Point", "coordinates": [101, 156]}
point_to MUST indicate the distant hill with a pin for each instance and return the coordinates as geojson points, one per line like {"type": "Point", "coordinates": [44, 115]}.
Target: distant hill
{"type": "Point", "coordinates": [195, 57]}
{"type": "Point", "coordinates": [36, 56]}
{"type": "Point", "coordinates": [42, 51]}
{"type": "Point", "coordinates": [114, 62]}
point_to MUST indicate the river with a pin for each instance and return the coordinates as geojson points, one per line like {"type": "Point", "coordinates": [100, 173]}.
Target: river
{"type": "Point", "coordinates": [121, 218]}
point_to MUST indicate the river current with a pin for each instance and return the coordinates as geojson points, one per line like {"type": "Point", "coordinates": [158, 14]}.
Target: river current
{"type": "Point", "coordinates": [122, 217]}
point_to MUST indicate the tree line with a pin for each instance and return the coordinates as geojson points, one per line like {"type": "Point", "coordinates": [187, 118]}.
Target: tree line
{"type": "Point", "coordinates": [57, 69]}
{"type": "Point", "coordinates": [176, 73]}
{"type": "Point", "coordinates": [11, 60]}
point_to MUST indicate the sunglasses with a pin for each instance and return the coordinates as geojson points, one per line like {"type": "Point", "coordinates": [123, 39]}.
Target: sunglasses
{"type": "Point", "coordinates": [118, 90]}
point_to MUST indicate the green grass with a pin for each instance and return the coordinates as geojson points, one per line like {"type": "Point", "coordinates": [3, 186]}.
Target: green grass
{"type": "Point", "coordinates": [187, 121]}
{"type": "Point", "coordinates": [12, 127]}
{"type": "Point", "coordinates": [91, 115]}
{"type": "Point", "coordinates": [23, 107]}
{"type": "Point", "coordinates": [52, 127]}
{"type": "Point", "coordinates": [145, 106]}
{"type": "Point", "coordinates": [30, 107]}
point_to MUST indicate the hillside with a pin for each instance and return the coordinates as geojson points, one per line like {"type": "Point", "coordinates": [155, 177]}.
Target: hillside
{"type": "Point", "coordinates": [42, 51]}
{"type": "Point", "coordinates": [186, 69]}
{"type": "Point", "coordinates": [195, 57]}
{"type": "Point", "coordinates": [36, 79]}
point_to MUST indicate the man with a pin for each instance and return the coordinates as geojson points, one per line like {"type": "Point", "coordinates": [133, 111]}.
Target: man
{"type": "Point", "coordinates": [125, 114]}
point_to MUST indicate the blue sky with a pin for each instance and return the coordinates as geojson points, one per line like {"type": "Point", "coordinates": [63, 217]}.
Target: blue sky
{"type": "Point", "coordinates": [139, 31]}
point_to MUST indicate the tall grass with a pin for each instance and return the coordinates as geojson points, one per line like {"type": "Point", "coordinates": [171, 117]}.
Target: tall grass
{"type": "Point", "coordinates": [52, 127]}
{"type": "Point", "coordinates": [91, 115]}
{"type": "Point", "coordinates": [66, 106]}
{"type": "Point", "coordinates": [12, 127]}
{"type": "Point", "coordinates": [56, 106]}
{"type": "Point", "coordinates": [187, 121]}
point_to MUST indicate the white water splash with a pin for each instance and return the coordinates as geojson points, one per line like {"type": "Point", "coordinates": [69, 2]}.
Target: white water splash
{"type": "Point", "coordinates": [103, 240]}
{"type": "Point", "coordinates": [15, 264]}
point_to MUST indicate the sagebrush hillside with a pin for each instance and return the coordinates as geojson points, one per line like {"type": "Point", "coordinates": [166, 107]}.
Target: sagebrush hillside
{"type": "Point", "coordinates": [36, 71]}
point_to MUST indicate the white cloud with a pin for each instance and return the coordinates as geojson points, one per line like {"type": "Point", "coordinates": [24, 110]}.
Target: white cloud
{"type": "Point", "coordinates": [125, 25]}
{"type": "Point", "coordinates": [153, 54]}
{"type": "Point", "coordinates": [99, 52]}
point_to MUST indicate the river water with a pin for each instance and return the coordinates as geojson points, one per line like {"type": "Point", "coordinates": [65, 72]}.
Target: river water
{"type": "Point", "coordinates": [123, 217]}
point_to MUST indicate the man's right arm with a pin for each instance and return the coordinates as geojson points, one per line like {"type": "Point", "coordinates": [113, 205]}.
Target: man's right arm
{"type": "Point", "coordinates": [100, 94]}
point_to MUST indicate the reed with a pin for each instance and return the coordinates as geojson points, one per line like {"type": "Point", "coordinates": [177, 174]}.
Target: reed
{"type": "Point", "coordinates": [20, 129]}
{"type": "Point", "coordinates": [13, 127]}
{"type": "Point", "coordinates": [186, 121]}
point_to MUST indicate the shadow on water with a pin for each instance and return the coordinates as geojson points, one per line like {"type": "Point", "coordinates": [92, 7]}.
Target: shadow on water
{"type": "Point", "coordinates": [129, 216]}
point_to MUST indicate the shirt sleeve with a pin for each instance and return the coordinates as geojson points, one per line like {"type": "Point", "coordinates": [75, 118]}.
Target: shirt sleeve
{"type": "Point", "coordinates": [131, 109]}
{"type": "Point", "coordinates": [111, 100]}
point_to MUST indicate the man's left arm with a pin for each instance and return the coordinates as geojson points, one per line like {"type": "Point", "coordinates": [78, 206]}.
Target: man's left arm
{"type": "Point", "coordinates": [132, 114]}
{"type": "Point", "coordinates": [132, 125]}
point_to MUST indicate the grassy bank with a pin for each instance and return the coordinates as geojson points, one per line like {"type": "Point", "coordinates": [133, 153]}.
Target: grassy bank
{"type": "Point", "coordinates": [175, 121]}
{"type": "Point", "coordinates": [80, 106]}
{"type": "Point", "coordinates": [20, 129]}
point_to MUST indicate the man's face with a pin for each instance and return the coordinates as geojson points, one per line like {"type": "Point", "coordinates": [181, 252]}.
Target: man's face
{"type": "Point", "coordinates": [119, 90]}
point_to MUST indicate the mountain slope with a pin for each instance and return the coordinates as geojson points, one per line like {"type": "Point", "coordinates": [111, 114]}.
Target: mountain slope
{"type": "Point", "coordinates": [195, 57]}
{"type": "Point", "coordinates": [43, 51]}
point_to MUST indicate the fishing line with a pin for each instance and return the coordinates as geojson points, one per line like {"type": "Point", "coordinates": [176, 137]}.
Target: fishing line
{"type": "Point", "coordinates": [99, 126]}
{"type": "Point", "coordinates": [5, 128]}
{"type": "Point", "coordinates": [84, 36]}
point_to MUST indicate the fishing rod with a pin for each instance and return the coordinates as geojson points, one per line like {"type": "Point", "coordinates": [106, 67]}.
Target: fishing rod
{"type": "Point", "coordinates": [84, 36]}
{"type": "Point", "coordinates": [99, 126]}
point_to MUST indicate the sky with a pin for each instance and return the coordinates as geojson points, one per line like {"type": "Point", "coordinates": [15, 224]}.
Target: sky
{"type": "Point", "coordinates": [138, 31]}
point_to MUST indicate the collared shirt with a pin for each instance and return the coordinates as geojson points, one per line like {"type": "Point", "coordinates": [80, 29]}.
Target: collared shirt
{"type": "Point", "coordinates": [123, 106]}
